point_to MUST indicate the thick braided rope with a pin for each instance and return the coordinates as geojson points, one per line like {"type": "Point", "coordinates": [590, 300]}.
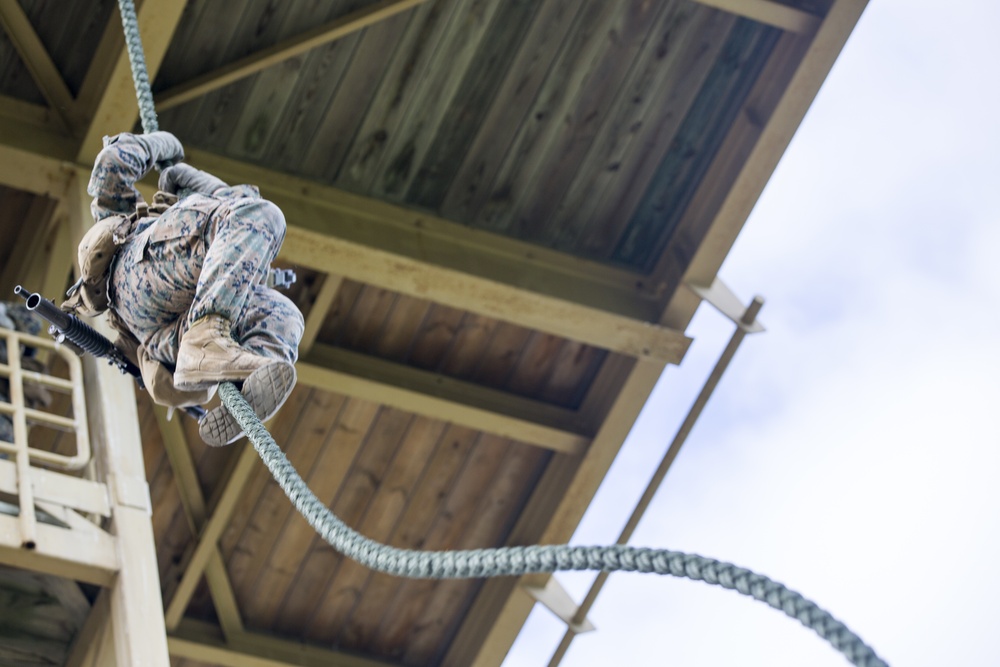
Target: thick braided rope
{"type": "Point", "coordinates": [513, 561]}
{"type": "Point", "coordinates": [136, 58]}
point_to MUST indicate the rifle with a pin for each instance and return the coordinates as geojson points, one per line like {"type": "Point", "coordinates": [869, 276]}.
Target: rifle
{"type": "Point", "coordinates": [68, 327]}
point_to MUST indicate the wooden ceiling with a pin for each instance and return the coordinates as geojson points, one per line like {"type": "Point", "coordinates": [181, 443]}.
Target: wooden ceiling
{"type": "Point", "coordinates": [496, 210]}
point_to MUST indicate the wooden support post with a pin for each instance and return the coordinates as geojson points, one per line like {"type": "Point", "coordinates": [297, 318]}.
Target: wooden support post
{"type": "Point", "coordinates": [186, 477]}
{"type": "Point", "coordinates": [209, 539]}
{"type": "Point", "coordinates": [139, 631]}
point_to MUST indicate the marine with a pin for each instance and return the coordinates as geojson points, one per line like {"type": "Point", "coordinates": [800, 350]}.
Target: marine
{"type": "Point", "coordinates": [183, 281]}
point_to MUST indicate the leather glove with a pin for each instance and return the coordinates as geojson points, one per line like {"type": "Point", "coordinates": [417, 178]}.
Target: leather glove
{"type": "Point", "coordinates": [185, 177]}
{"type": "Point", "coordinates": [159, 383]}
{"type": "Point", "coordinates": [164, 148]}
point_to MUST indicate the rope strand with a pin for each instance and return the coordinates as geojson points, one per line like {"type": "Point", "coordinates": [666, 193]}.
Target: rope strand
{"type": "Point", "coordinates": [513, 561]}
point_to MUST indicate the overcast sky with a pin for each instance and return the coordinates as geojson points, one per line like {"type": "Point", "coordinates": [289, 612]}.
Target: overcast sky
{"type": "Point", "coordinates": [852, 451]}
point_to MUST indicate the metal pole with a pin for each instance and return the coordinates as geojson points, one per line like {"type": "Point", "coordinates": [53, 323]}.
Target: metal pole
{"type": "Point", "coordinates": [749, 315]}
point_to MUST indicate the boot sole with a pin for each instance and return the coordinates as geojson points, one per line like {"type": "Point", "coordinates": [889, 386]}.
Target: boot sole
{"type": "Point", "coordinates": [266, 390]}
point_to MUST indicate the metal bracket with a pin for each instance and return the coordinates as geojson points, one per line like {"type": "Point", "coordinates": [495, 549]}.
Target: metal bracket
{"type": "Point", "coordinates": [726, 302]}
{"type": "Point", "coordinates": [559, 602]}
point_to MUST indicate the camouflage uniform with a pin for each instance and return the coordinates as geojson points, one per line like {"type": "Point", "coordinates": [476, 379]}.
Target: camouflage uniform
{"type": "Point", "coordinates": [205, 255]}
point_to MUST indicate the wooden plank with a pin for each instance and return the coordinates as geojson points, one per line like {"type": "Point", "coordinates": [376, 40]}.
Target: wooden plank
{"type": "Point", "coordinates": [404, 321]}
{"type": "Point", "coordinates": [486, 297]}
{"type": "Point", "coordinates": [331, 138]}
{"type": "Point", "coordinates": [613, 195]}
{"type": "Point", "coordinates": [425, 105]}
{"type": "Point", "coordinates": [770, 12]}
{"type": "Point", "coordinates": [271, 509]}
{"type": "Point", "coordinates": [469, 185]}
{"type": "Point", "coordinates": [193, 501]}
{"type": "Point", "coordinates": [435, 337]}
{"type": "Point", "coordinates": [90, 557]}
{"type": "Point", "coordinates": [435, 396]}
{"type": "Point", "coordinates": [117, 110]}
{"type": "Point", "coordinates": [196, 640]}
{"type": "Point", "coordinates": [64, 490]}
{"type": "Point", "coordinates": [209, 537]}
{"type": "Point", "coordinates": [318, 311]}
{"type": "Point", "coordinates": [425, 504]}
{"type": "Point", "coordinates": [718, 105]}
{"type": "Point", "coordinates": [366, 472]}
{"type": "Point", "coordinates": [496, 513]}
{"type": "Point", "coordinates": [295, 538]}
{"type": "Point", "coordinates": [311, 206]}
{"type": "Point", "coordinates": [387, 501]}
{"type": "Point", "coordinates": [407, 68]}
{"type": "Point", "coordinates": [36, 58]}
{"type": "Point", "coordinates": [571, 106]}
{"type": "Point", "coordinates": [500, 610]}
{"type": "Point", "coordinates": [454, 132]}
{"type": "Point", "coordinates": [777, 133]}
{"type": "Point", "coordinates": [33, 115]}
{"type": "Point", "coordinates": [31, 160]}
{"type": "Point", "coordinates": [32, 254]}
{"type": "Point", "coordinates": [452, 522]}
{"type": "Point", "coordinates": [282, 51]}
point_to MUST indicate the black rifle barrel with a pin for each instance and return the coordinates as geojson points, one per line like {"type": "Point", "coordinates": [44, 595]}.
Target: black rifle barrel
{"type": "Point", "coordinates": [87, 338]}
{"type": "Point", "coordinates": [77, 331]}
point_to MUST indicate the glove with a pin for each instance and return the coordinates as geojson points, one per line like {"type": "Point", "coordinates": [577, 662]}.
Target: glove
{"type": "Point", "coordinates": [163, 147]}
{"type": "Point", "coordinates": [185, 177]}
{"type": "Point", "coordinates": [160, 384]}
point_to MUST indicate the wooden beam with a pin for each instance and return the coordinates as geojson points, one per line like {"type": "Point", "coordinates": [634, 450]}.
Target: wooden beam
{"type": "Point", "coordinates": [195, 640]}
{"type": "Point", "coordinates": [209, 538]}
{"type": "Point", "coordinates": [49, 486]}
{"type": "Point", "coordinates": [289, 48]}
{"type": "Point", "coordinates": [769, 12]}
{"type": "Point", "coordinates": [318, 312]}
{"type": "Point", "coordinates": [453, 288]}
{"type": "Point", "coordinates": [439, 397]}
{"type": "Point", "coordinates": [139, 639]}
{"type": "Point", "coordinates": [89, 557]}
{"type": "Point", "coordinates": [425, 238]}
{"type": "Point", "coordinates": [567, 487]}
{"type": "Point", "coordinates": [117, 110]}
{"type": "Point", "coordinates": [408, 252]}
{"type": "Point", "coordinates": [186, 476]}
{"type": "Point", "coordinates": [88, 639]}
{"type": "Point", "coordinates": [30, 114]}
{"type": "Point", "coordinates": [31, 159]}
{"type": "Point", "coordinates": [35, 57]}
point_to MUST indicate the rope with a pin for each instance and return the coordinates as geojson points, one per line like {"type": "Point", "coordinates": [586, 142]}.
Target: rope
{"type": "Point", "coordinates": [504, 561]}
{"type": "Point", "coordinates": [136, 58]}
{"type": "Point", "coordinates": [513, 561]}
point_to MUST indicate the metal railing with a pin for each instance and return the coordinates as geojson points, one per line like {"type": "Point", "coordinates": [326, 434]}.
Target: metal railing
{"type": "Point", "coordinates": [22, 416]}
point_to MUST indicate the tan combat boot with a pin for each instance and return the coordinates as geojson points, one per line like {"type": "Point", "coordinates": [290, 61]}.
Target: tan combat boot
{"type": "Point", "coordinates": [266, 390]}
{"type": "Point", "coordinates": [208, 355]}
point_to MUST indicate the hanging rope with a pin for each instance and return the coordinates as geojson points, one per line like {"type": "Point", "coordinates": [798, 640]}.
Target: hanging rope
{"type": "Point", "coordinates": [504, 561]}
{"type": "Point", "coordinates": [137, 60]}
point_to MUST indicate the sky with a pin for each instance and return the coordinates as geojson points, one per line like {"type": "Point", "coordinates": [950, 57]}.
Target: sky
{"type": "Point", "coordinates": [851, 451]}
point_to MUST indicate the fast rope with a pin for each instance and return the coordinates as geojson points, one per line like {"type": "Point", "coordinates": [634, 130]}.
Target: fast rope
{"type": "Point", "coordinates": [504, 561]}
